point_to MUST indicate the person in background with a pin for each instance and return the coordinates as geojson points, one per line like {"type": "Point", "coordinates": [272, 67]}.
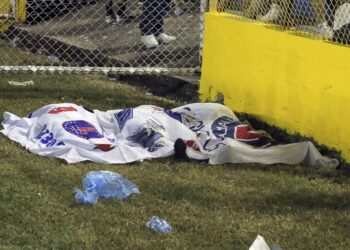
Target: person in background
{"type": "Point", "coordinates": [179, 8]}
{"type": "Point", "coordinates": [123, 12]}
{"type": "Point", "coordinates": [279, 12]}
{"type": "Point", "coordinates": [152, 22]}
{"type": "Point", "coordinates": [256, 9]}
{"type": "Point", "coordinates": [323, 10]}
{"type": "Point", "coordinates": [341, 24]}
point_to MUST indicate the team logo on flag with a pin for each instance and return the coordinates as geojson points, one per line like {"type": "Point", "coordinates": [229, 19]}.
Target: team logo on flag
{"type": "Point", "coordinates": [226, 127]}
{"type": "Point", "coordinates": [62, 109]}
{"type": "Point", "coordinates": [82, 129]}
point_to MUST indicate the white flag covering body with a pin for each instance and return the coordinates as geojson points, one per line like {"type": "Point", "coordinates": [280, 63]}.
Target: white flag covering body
{"type": "Point", "coordinates": [210, 131]}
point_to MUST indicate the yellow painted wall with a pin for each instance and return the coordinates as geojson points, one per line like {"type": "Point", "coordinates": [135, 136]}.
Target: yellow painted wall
{"type": "Point", "coordinates": [5, 8]}
{"type": "Point", "coordinates": [297, 83]}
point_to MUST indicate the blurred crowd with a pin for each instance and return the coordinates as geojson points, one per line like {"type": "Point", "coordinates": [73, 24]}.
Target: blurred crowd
{"type": "Point", "coordinates": [330, 18]}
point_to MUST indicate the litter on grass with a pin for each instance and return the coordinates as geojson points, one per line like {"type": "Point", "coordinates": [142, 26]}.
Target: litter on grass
{"type": "Point", "coordinates": [104, 184]}
{"type": "Point", "coordinates": [159, 225]}
{"type": "Point", "coordinates": [259, 244]}
{"type": "Point", "coordinates": [26, 83]}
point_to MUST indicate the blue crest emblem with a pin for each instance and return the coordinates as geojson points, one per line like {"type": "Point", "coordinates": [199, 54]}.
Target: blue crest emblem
{"type": "Point", "coordinates": [82, 129]}
{"type": "Point", "coordinates": [224, 127]}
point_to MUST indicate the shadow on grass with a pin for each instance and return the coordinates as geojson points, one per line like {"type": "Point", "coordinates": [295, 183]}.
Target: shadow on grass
{"type": "Point", "coordinates": [335, 175]}
{"type": "Point", "coordinates": [112, 98]}
{"type": "Point", "coordinates": [262, 197]}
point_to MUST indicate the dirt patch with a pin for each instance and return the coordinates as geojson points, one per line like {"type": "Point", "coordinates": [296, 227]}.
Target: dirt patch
{"type": "Point", "coordinates": [176, 88]}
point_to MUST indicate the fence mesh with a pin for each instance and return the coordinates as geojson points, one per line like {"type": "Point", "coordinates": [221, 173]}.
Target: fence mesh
{"type": "Point", "coordinates": [124, 35]}
{"type": "Point", "coordinates": [323, 19]}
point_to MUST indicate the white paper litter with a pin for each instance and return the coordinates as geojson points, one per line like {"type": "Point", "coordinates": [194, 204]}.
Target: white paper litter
{"type": "Point", "coordinates": [259, 244]}
{"type": "Point", "coordinates": [26, 83]}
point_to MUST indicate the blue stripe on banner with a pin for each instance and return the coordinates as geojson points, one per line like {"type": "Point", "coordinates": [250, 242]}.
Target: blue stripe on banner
{"type": "Point", "coordinates": [123, 116]}
{"type": "Point", "coordinates": [173, 114]}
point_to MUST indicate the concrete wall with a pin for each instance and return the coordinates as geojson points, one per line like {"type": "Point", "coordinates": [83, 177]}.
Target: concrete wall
{"type": "Point", "coordinates": [297, 83]}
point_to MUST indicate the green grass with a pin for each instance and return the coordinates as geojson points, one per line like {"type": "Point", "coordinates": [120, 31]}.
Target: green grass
{"type": "Point", "coordinates": [209, 207]}
{"type": "Point", "coordinates": [17, 57]}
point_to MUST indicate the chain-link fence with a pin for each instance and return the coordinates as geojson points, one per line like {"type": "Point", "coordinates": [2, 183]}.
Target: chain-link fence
{"type": "Point", "coordinates": [90, 35]}
{"type": "Point", "coordinates": [325, 19]}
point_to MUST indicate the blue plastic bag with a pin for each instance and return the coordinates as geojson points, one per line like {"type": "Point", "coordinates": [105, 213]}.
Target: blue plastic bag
{"type": "Point", "coordinates": [104, 184]}
{"type": "Point", "coordinates": [159, 225]}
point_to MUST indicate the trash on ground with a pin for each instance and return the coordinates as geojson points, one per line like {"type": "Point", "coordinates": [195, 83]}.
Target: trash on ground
{"type": "Point", "coordinates": [26, 83]}
{"type": "Point", "coordinates": [104, 184]}
{"type": "Point", "coordinates": [159, 225]}
{"type": "Point", "coordinates": [276, 247]}
{"type": "Point", "coordinates": [259, 244]}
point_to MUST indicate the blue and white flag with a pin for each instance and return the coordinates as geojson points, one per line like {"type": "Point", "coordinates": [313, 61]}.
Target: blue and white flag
{"type": "Point", "coordinates": [210, 131]}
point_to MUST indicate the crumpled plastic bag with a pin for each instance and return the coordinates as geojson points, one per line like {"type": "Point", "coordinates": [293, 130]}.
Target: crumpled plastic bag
{"type": "Point", "coordinates": [104, 184]}
{"type": "Point", "coordinates": [159, 225]}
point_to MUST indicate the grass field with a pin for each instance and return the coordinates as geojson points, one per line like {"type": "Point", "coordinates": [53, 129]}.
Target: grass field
{"type": "Point", "coordinates": [209, 207]}
{"type": "Point", "coordinates": [16, 56]}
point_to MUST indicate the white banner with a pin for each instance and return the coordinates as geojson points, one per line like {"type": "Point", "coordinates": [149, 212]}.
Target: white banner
{"type": "Point", "coordinates": [210, 132]}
